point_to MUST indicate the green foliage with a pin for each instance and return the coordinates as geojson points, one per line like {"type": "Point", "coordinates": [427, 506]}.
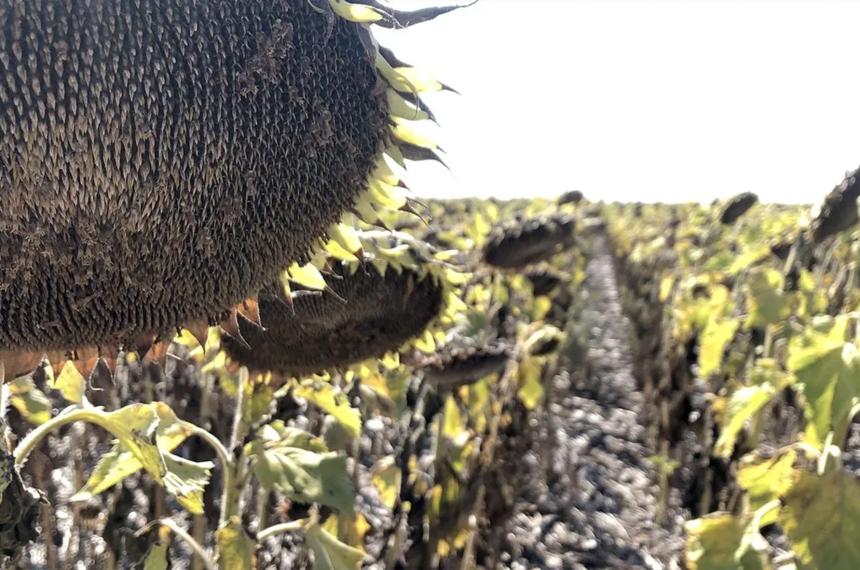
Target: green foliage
{"type": "Point", "coordinates": [719, 542]}
{"type": "Point", "coordinates": [530, 390]}
{"type": "Point", "coordinates": [236, 550]}
{"type": "Point", "coordinates": [286, 460]}
{"type": "Point", "coordinates": [293, 463]}
{"type": "Point", "coordinates": [330, 553]}
{"type": "Point", "coordinates": [30, 402]}
{"type": "Point", "coordinates": [387, 478]}
{"type": "Point", "coordinates": [327, 398]}
{"type": "Point", "coordinates": [821, 516]}
{"type": "Point", "coordinates": [767, 303]}
{"type": "Point", "coordinates": [156, 558]}
{"type": "Point", "coordinates": [765, 480]}
{"type": "Point", "coordinates": [828, 373]}
{"type": "Point", "coordinates": [186, 479]}
{"type": "Point", "coordinates": [762, 272]}
{"type": "Point", "coordinates": [743, 405]}
{"type": "Point", "coordinates": [717, 334]}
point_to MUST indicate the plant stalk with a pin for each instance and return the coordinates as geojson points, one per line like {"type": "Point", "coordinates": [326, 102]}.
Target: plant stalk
{"type": "Point", "coordinates": [233, 471]}
{"type": "Point", "coordinates": [282, 528]}
{"type": "Point", "coordinates": [195, 546]}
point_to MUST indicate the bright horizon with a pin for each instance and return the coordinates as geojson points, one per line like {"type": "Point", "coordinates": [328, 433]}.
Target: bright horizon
{"type": "Point", "coordinates": [640, 100]}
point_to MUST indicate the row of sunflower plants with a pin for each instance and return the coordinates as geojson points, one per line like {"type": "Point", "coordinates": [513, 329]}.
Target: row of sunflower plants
{"type": "Point", "coordinates": [750, 360]}
{"type": "Point", "coordinates": [284, 443]}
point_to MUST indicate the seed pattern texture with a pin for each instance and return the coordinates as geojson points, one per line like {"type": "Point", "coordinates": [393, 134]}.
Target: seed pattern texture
{"type": "Point", "coordinates": [162, 159]}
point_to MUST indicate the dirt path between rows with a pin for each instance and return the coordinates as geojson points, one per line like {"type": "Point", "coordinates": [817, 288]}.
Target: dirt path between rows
{"type": "Point", "coordinates": [590, 498]}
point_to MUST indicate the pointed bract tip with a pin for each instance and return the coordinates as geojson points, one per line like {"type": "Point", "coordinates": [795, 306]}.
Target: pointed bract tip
{"type": "Point", "coordinates": [230, 325]}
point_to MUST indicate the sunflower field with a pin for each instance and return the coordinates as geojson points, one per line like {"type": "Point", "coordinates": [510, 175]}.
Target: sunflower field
{"type": "Point", "coordinates": [232, 338]}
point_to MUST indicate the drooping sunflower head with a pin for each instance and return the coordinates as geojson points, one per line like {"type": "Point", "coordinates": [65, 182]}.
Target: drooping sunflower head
{"type": "Point", "coordinates": [368, 307]}
{"type": "Point", "coordinates": [737, 207]}
{"type": "Point", "coordinates": [839, 210]}
{"type": "Point", "coordinates": [519, 244]}
{"type": "Point", "coordinates": [544, 280]}
{"type": "Point", "coordinates": [462, 365]}
{"type": "Point", "coordinates": [162, 161]}
{"type": "Point", "coordinates": [570, 197]}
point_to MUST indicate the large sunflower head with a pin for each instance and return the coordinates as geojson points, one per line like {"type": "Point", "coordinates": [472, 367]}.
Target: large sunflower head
{"type": "Point", "coordinates": [163, 161]}
{"type": "Point", "coordinates": [362, 309]}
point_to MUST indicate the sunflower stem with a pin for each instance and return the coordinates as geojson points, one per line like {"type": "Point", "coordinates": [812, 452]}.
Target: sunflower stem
{"type": "Point", "coordinates": [232, 495]}
{"type": "Point", "coordinates": [4, 406]}
{"type": "Point", "coordinates": [282, 528]}
{"type": "Point", "coordinates": [29, 443]}
{"type": "Point", "coordinates": [195, 546]}
{"type": "Point", "coordinates": [220, 451]}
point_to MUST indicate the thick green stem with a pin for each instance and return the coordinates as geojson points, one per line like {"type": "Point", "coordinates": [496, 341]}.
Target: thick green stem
{"type": "Point", "coordinates": [4, 405]}
{"type": "Point", "coordinates": [198, 524]}
{"type": "Point", "coordinates": [220, 451]}
{"type": "Point", "coordinates": [195, 546]}
{"type": "Point", "coordinates": [231, 497]}
{"type": "Point", "coordinates": [282, 528]}
{"type": "Point", "coordinates": [29, 443]}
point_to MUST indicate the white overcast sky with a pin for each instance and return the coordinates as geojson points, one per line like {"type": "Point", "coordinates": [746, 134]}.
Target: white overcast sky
{"type": "Point", "coordinates": [641, 100]}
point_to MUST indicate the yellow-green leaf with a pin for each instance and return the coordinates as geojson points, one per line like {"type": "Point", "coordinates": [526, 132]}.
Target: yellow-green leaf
{"type": "Point", "coordinates": [119, 463]}
{"type": "Point", "coordinates": [749, 257]}
{"type": "Point", "coordinates": [156, 558]}
{"type": "Point", "coordinates": [716, 542]}
{"type": "Point", "coordinates": [349, 530]}
{"type": "Point", "coordinates": [324, 396]}
{"type": "Point", "coordinates": [454, 423]}
{"type": "Point", "coordinates": [767, 303]}
{"type": "Point", "coordinates": [30, 402]}
{"type": "Point", "coordinates": [717, 334]}
{"type": "Point", "coordinates": [300, 473]}
{"type": "Point", "coordinates": [187, 480]}
{"type": "Point", "coordinates": [821, 517]}
{"type": "Point", "coordinates": [70, 383]}
{"type": "Point", "coordinates": [766, 479]}
{"type": "Point", "coordinates": [530, 390]}
{"type": "Point", "coordinates": [828, 371]}
{"type": "Point", "coordinates": [743, 405]}
{"type": "Point", "coordinates": [259, 399]}
{"type": "Point", "coordinates": [769, 371]}
{"type": "Point", "coordinates": [277, 434]}
{"type": "Point", "coordinates": [666, 286]}
{"type": "Point", "coordinates": [236, 550]}
{"type": "Point", "coordinates": [330, 553]}
{"type": "Point", "coordinates": [146, 433]}
{"type": "Point", "coordinates": [135, 427]}
{"type": "Point", "coordinates": [355, 12]}
{"type": "Point", "coordinates": [387, 478]}
{"type": "Point", "coordinates": [479, 404]}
